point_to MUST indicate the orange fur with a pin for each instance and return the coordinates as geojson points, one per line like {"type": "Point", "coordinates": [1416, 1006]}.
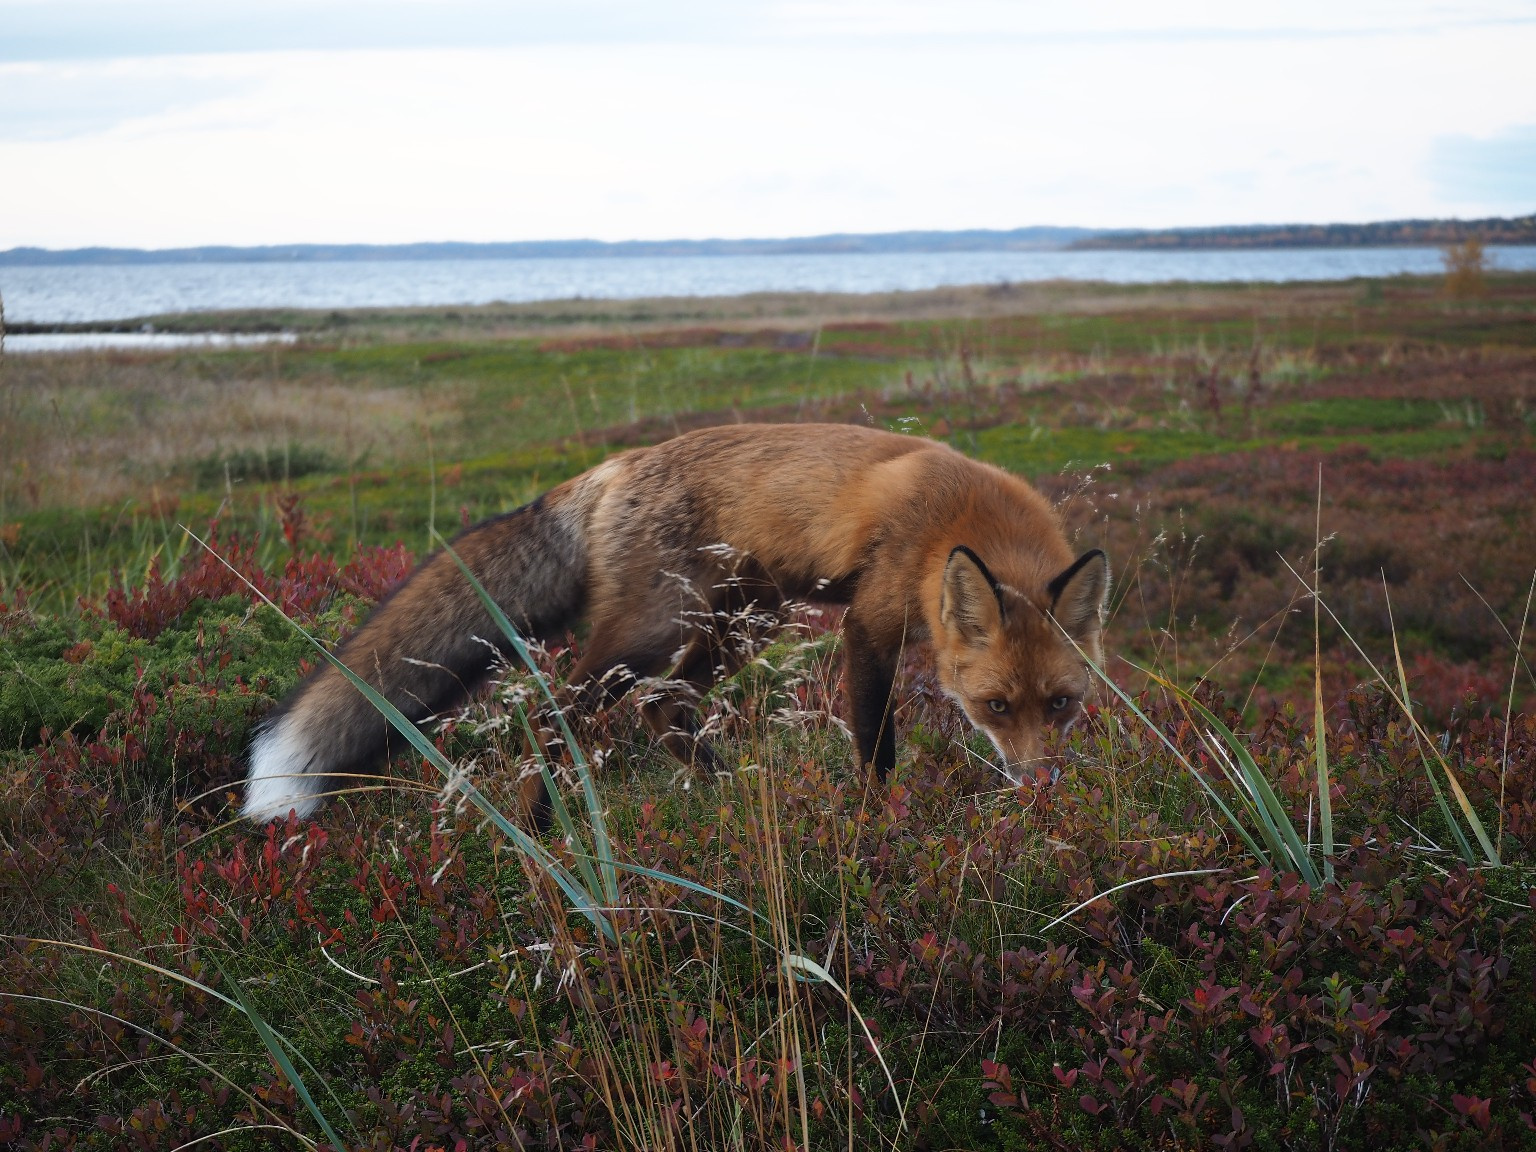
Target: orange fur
{"type": "Point", "coordinates": [657, 547]}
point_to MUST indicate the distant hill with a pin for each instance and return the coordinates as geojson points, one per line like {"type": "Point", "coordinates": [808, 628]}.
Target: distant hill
{"type": "Point", "coordinates": [1387, 234]}
{"type": "Point", "coordinates": [974, 240]}
{"type": "Point", "coordinates": [1391, 233]}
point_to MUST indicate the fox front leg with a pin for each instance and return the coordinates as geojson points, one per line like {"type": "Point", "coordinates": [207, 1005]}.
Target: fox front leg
{"type": "Point", "coordinates": [871, 693]}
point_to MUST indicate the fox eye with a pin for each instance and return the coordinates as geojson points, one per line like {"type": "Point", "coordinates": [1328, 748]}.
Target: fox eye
{"type": "Point", "coordinates": [998, 706]}
{"type": "Point", "coordinates": [1061, 703]}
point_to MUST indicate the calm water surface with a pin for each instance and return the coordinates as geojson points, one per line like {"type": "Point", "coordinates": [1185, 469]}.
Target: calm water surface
{"type": "Point", "coordinates": [85, 293]}
{"type": "Point", "coordinates": [84, 341]}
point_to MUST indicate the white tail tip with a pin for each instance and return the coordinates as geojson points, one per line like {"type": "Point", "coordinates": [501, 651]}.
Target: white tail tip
{"type": "Point", "coordinates": [279, 781]}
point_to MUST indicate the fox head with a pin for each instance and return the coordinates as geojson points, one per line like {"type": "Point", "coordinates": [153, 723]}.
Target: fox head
{"type": "Point", "coordinates": [1012, 662]}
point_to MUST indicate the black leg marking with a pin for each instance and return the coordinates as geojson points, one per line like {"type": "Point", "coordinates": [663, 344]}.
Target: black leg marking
{"type": "Point", "coordinates": [535, 799]}
{"type": "Point", "coordinates": [871, 684]}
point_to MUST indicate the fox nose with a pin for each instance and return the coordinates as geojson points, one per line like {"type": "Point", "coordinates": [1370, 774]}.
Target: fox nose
{"type": "Point", "coordinates": [1036, 759]}
{"type": "Point", "coordinates": [1031, 767]}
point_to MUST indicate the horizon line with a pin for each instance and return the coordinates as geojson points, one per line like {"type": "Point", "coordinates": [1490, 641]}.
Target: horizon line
{"type": "Point", "coordinates": [1036, 237]}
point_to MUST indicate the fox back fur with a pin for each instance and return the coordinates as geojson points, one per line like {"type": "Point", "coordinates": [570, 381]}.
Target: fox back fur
{"type": "Point", "coordinates": [655, 547]}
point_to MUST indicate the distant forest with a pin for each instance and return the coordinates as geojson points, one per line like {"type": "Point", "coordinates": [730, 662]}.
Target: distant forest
{"type": "Point", "coordinates": [1520, 230]}
{"type": "Point", "coordinates": [1386, 234]}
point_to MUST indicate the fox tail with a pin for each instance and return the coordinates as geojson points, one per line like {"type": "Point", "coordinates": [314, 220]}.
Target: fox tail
{"type": "Point", "coordinates": [424, 648]}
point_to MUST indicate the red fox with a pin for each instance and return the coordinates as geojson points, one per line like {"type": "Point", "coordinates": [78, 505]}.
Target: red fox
{"type": "Point", "coordinates": [655, 547]}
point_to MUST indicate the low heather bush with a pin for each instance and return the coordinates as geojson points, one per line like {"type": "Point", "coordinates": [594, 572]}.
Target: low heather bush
{"type": "Point", "coordinates": [1094, 965]}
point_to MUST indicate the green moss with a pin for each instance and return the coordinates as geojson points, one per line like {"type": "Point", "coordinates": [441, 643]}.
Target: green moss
{"type": "Point", "coordinates": [1353, 414]}
{"type": "Point", "coordinates": [202, 679]}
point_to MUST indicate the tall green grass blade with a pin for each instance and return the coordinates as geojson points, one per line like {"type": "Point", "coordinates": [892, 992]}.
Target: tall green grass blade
{"type": "Point", "coordinates": [275, 1050]}
{"type": "Point", "coordinates": [1518, 643]}
{"type": "Point", "coordinates": [557, 804]}
{"type": "Point", "coordinates": [1462, 845]}
{"type": "Point", "coordinates": [1324, 777]}
{"type": "Point", "coordinates": [795, 965]}
{"type": "Point", "coordinates": [1274, 822]}
{"type": "Point", "coordinates": [178, 977]}
{"type": "Point", "coordinates": [583, 770]}
{"type": "Point", "coordinates": [257, 1105]}
{"type": "Point", "coordinates": [562, 813]}
{"type": "Point", "coordinates": [1233, 822]}
{"type": "Point", "coordinates": [1491, 855]}
{"type": "Point", "coordinates": [520, 646]}
{"type": "Point", "coordinates": [691, 886]}
{"type": "Point", "coordinates": [1247, 802]}
{"type": "Point", "coordinates": [1319, 717]}
{"type": "Point", "coordinates": [1514, 674]}
{"type": "Point", "coordinates": [580, 897]}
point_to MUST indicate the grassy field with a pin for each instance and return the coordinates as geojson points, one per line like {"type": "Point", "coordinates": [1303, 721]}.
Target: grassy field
{"type": "Point", "coordinates": [1174, 947]}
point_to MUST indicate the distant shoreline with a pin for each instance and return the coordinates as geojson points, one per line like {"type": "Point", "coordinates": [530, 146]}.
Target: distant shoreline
{"type": "Point", "coordinates": [975, 240]}
{"type": "Point", "coordinates": [1384, 234]}
{"type": "Point", "coordinates": [39, 299]}
{"type": "Point", "coordinates": [789, 311]}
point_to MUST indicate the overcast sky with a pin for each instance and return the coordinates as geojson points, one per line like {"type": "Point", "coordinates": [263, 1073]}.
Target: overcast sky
{"type": "Point", "coordinates": [237, 122]}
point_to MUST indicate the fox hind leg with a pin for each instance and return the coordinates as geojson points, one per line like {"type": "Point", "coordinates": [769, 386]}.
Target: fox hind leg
{"type": "Point", "coordinates": [745, 609]}
{"type": "Point", "coordinates": [599, 678]}
{"type": "Point", "coordinates": [710, 636]}
{"type": "Point", "coordinates": [669, 707]}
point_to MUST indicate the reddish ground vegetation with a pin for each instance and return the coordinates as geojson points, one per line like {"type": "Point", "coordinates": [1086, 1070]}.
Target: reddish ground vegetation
{"type": "Point", "coordinates": [1098, 965]}
{"type": "Point", "coordinates": [454, 1001]}
{"type": "Point", "coordinates": [1439, 551]}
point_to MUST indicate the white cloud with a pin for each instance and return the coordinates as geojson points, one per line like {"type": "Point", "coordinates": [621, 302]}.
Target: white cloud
{"type": "Point", "coordinates": [781, 134]}
{"type": "Point", "coordinates": [61, 101]}
{"type": "Point", "coordinates": [77, 29]}
{"type": "Point", "coordinates": [1494, 174]}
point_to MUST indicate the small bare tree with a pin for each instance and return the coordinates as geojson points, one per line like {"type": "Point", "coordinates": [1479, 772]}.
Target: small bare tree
{"type": "Point", "coordinates": [1465, 264]}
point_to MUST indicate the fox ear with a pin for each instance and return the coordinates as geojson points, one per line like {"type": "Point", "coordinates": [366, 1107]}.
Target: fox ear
{"type": "Point", "coordinates": [1078, 595]}
{"type": "Point", "coordinates": [970, 606]}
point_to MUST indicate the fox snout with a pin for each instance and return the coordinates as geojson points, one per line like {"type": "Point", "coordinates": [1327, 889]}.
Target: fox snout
{"type": "Point", "coordinates": [1021, 760]}
{"type": "Point", "coordinates": [1021, 752]}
